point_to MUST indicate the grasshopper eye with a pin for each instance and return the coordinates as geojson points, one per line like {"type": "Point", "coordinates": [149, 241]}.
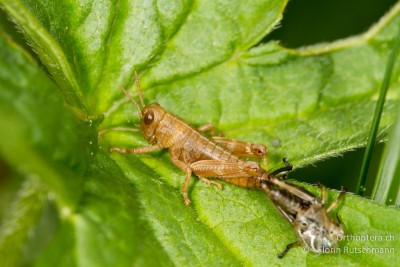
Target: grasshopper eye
{"type": "Point", "coordinates": [148, 117]}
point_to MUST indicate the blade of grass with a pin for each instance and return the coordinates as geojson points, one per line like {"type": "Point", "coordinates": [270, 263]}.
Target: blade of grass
{"type": "Point", "coordinates": [377, 116]}
{"type": "Point", "coordinates": [387, 187]}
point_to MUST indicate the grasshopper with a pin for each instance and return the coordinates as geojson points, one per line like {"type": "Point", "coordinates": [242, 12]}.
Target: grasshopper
{"type": "Point", "coordinates": [305, 212]}
{"type": "Point", "coordinates": [190, 150]}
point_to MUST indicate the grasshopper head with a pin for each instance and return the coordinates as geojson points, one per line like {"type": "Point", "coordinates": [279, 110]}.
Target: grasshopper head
{"type": "Point", "coordinates": [150, 119]}
{"type": "Point", "coordinates": [150, 116]}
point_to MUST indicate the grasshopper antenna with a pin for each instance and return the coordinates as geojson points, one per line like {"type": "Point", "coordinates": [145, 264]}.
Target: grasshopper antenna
{"type": "Point", "coordinates": [133, 101]}
{"type": "Point", "coordinates": [138, 86]}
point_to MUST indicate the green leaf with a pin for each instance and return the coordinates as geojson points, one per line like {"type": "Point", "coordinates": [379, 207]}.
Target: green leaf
{"type": "Point", "coordinates": [39, 135]}
{"type": "Point", "coordinates": [202, 61]}
{"type": "Point", "coordinates": [47, 49]}
{"type": "Point", "coordinates": [107, 220]}
{"type": "Point", "coordinates": [21, 220]}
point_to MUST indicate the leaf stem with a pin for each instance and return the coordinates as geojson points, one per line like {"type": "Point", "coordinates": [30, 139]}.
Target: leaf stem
{"type": "Point", "coordinates": [377, 116]}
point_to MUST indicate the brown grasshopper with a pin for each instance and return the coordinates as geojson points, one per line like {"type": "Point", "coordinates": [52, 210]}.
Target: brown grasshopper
{"type": "Point", "coordinates": [190, 150]}
{"type": "Point", "coordinates": [305, 212]}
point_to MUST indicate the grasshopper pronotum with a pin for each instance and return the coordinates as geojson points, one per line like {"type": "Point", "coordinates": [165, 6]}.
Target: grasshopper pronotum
{"type": "Point", "coordinates": [190, 150]}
